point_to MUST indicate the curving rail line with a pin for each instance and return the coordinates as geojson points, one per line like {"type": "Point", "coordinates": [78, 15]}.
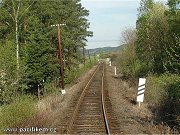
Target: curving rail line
{"type": "Point", "coordinates": [103, 106]}
{"type": "Point", "coordinates": [92, 112]}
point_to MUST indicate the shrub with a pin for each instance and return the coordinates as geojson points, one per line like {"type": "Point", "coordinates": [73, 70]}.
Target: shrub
{"type": "Point", "coordinates": [163, 94]}
{"type": "Point", "coordinates": [155, 92]}
{"type": "Point", "coordinates": [165, 86]}
{"type": "Point", "coordinates": [16, 113]}
{"type": "Point", "coordinates": [71, 75]}
{"type": "Point", "coordinates": [48, 88]}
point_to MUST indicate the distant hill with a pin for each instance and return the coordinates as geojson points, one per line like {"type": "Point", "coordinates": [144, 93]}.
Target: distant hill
{"type": "Point", "coordinates": [105, 49]}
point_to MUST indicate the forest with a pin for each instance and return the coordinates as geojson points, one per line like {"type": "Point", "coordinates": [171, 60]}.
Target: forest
{"type": "Point", "coordinates": [29, 45]}
{"type": "Point", "coordinates": [152, 51]}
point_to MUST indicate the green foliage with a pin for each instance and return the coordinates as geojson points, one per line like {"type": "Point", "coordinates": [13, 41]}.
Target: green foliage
{"type": "Point", "coordinates": [152, 26]}
{"type": "Point", "coordinates": [139, 69]}
{"type": "Point", "coordinates": [123, 61]}
{"type": "Point", "coordinates": [173, 50]}
{"type": "Point", "coordinates": [157, 39]}
{"type": "Point", "coordinates": [8, 85]}
{"type": "Point", "coordinates": [48, 88]}
{"type": "Point", "coordinates": [155, 55]}
{"type": "Point", "coordinates": [73, 74]}
{"type": "Point", "coordinates": [37, 53]}
{"type": "Point", "coordinates": [156, 52]}
{"type": "Point", "coordinates": [14, 114]}
{"type": "Point", "coordinates": [104, 55]}
{"type": "Point", "coordinates": [127, 61]}
{"type": "Point", "coordinates": [174, 16]}
{"type": "Point", "coordinates": [29, 22]}
{"type": "Point", "coordinates": [164, 92]}
{"type": "Point", "coordinates": [165, 86]}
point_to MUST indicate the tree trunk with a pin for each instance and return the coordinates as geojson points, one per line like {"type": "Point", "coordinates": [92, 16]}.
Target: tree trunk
{"type": "Point", "coordinates": [17, 46]}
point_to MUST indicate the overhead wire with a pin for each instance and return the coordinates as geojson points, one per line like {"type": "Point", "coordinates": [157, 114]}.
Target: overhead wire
{"type": "Point", "coordinates": [104, 41]}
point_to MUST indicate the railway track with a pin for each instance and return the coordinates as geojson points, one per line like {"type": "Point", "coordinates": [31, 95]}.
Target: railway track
{"type": "Point", "coordinates": [93, 112]}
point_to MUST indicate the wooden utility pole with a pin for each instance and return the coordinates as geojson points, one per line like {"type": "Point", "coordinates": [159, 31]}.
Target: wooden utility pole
{"type": "Point", "coordinates": [60, 54]}
{"type": "Point", "coordinates": [89, 56]}
{"type": "Point", "coordinates": [84, 59]}
{"type": "Point", "coordinates": [60, 57]}
{"type": "Point", "coordinates": [94, 56]}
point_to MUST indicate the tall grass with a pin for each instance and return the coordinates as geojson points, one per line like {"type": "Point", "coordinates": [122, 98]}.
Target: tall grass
{"type": "Point", "coordinates": [163, 87]}
{"type": "Point", "coordinates": [17, 113]}
{"type": "Point", "coordinates": [163, 95]}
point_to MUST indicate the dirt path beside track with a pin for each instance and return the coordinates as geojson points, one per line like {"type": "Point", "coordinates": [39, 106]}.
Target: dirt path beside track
{"type": "Point", "coordinates": [133, 119]}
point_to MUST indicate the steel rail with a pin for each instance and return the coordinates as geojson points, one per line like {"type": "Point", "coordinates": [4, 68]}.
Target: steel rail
{"type": "Point", "coordinates": [79, 103]}
{"type": "Point", "coordinates": [103, 105]}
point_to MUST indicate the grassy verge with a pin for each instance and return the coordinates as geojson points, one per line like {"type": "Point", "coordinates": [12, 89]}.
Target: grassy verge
{"type": "Point", "coordinates": [73, 74]}
{"type": "Point", "coordinates": [163, 95]}
{"type": "Point", "coordinates": [17, 113]}
{"type": "Point", "coordinates": [25, 111]}
{"type": "Point", "coordinates": [162, 90]}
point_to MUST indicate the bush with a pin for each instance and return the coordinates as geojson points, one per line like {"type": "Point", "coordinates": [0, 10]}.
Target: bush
{"type": "Point", "coordinates": [17, 113]}
{"type": "Point", "coordinates": [48, 88]}
{"type": "Point", "coordinates": [155, 92]}
{"type": "Point", "coordinates": [163, 94]}
{"type": "Point", "coordinates": [163, 87]}
{"type": "Point", "coordinates": [71, 75]}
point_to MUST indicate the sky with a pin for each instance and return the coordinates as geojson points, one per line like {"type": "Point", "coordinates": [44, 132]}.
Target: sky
{"type": "Point", "coordinates": [108, 18]}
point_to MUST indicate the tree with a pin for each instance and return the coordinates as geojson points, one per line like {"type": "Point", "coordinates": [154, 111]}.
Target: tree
{"type": "Point", "coordinates": [142, 44]}
{"type": "Point", "coordinates": [37, 53]}
{"type": "Point", "coordinates": [127, 56]}
{"type": "Point", "coordinates": [30, 21]}
{"type": "Point", "coordinates": [15, 10]}
{"type": "Point", "coordinates": [8, 86]}
{"type": "Point", "coordinates": [173, 50]}
{"type": "Point", "coordinates": [158, 37]}
{"type": "Point", "coordinates": [153, 38]}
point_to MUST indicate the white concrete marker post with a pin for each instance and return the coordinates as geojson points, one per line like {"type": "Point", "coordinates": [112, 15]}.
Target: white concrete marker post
{"type": "Point", "coordinates": [115, 70]}
{"type": "Point", "coordinates": [63, 92]}
{"type": "Point", "coordinates": [141, 90]}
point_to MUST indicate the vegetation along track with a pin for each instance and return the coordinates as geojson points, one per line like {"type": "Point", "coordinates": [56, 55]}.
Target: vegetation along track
{"type": "Point", "coordinates": [93, 112]}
